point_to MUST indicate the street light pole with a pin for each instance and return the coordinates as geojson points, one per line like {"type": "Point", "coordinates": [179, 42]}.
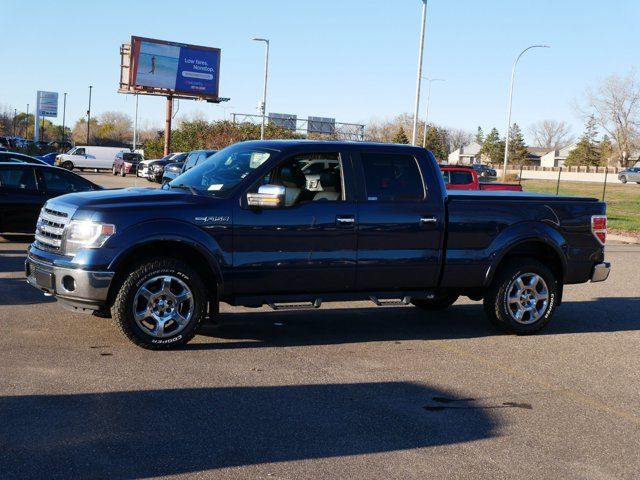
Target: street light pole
{"type": "Point", "coordinates": [513, 74]}
{"type": "Point", "coordinates": [426, 117]}
{"type": "Point", "coordinates": [419, 76]}
{"type": "Point", "coordinates": [264, 93]}
{"type": "Point", "coordinates": [89, 115]}
{"type": "Point", "coordinates": [64, 115]}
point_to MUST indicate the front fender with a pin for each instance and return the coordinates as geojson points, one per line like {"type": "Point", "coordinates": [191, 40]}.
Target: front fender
{"type": "Point", "coordinates": [165, 230]}
{"type": "Point", "coordinates": [521, 233]}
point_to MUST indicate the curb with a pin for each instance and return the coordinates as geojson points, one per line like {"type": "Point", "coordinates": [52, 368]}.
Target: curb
{"type": "Point", "coordinates": [623, 239]}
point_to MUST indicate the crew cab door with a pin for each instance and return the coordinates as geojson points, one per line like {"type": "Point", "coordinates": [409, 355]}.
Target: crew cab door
{"type": "Point", "coordinates": [20, 199]}
{"type": "Point", "coordinates": [308, 245]}
{"type": "Point", "coordinates": [400, 222]}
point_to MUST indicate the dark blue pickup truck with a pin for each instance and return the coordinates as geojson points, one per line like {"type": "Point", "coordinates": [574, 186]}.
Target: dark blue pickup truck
{"type": "Point", "coordinates": [248, 227]}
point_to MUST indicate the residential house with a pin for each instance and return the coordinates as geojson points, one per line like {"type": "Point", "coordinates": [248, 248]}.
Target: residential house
{"type": "Point", "coordinates": [556, 158]}
{"type": "Point", "coordinates": [466, 155]}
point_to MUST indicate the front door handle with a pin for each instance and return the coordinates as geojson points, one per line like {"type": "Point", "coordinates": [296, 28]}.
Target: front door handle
{"type": "Point", "coordinates": [428, 220]}
{"type": "Point", "coordinates": [345, 220]}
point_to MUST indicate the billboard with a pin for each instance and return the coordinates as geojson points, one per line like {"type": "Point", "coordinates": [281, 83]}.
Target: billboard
{"type": "Point", "coordinates": [284, 120]}
{"type": "Point", "coordinates": [321, 125]}
{"type": "Point", "coordinates": [174, 68]}
{"type": "Point", "coordinates": [47, 104]}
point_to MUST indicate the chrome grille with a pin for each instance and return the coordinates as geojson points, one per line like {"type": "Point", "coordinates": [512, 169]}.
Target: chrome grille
{"type": "Point", "coordinates": [50, 228]}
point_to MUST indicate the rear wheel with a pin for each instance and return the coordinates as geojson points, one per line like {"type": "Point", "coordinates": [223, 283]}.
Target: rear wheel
{"type": "Point", "coordinates": [161, 304]}
{"type": "Point", "coordinates": [439, 302]}
{"type": "Point", "coordinates": [67, 165]}
{"type": "Point", "coordinates": [522, 297]}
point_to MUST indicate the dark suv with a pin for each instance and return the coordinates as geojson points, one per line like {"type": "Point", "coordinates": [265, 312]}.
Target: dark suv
{"type": "Point", "coordinates": [194, 158]}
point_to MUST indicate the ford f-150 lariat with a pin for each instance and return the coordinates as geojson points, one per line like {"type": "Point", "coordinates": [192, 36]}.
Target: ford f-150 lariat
{"type": "Point", "coordinates": [245, 229]}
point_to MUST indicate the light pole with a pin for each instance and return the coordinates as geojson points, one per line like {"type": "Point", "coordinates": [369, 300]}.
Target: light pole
{"type": "Point", "coordinates": [64, 115]}
{"type": "Point", "coordinates": [89, 114]}
{"type": "Point", "coordinates": [426, 116]}
{"type": "Point", "coordinates": [513, 73]}
{"type": "Point", "coordinates": [414, 135]}
{"type": "Point", "coordinates": [264, 93]}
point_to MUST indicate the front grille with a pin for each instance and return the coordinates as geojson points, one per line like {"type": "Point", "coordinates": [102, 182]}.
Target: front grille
{"type": "Point", "coordinates": [50, 228]}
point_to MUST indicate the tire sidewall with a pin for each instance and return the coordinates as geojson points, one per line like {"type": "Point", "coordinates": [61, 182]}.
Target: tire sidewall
{"type": "Point", "coordinates": [506, 321]}
{"type": "Point", "coordinates": [124, 308]}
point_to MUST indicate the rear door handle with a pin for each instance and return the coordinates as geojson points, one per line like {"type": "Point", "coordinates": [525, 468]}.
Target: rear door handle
{"type": "Point", "coordinates": [345, 220]}
{"type": "Point", "coordinates": [428, 220]}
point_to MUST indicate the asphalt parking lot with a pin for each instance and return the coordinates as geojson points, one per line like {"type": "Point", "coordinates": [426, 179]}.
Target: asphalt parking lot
{"type": "Point", "coordinates": [347, 391]}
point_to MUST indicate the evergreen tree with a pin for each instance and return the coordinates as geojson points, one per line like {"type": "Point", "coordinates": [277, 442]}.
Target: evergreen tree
{"type": "Point", "coordinates": [401, 137]}
{"type": "Point", "coordinates": [606, 150]}
{"type": "Point", "coordinates": [587, 151]}
{"type": "Point", "coordinates": [493, 146]}
{"type": "Point", "coordinates": [479, 136]}
{"type": "Point", "coordinates": [517, 147]}
{"type": "Point", "coordinates": [437, 142]}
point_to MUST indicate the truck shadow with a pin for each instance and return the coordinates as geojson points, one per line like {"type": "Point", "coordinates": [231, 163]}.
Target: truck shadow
{"type": "Point", "coordinates": [140, 434]}
{"type": "Point", "coordinates": [16, 291]}
{"type": "Point", "coordinates": [379, 324]}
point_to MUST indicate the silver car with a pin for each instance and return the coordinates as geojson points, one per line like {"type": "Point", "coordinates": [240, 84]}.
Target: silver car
{"type": "Point", "coordinates": [630, 175]}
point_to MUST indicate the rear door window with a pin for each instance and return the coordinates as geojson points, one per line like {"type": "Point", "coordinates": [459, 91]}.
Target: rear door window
{"type": "Point", "coordinates": [18, 179]}
{"type": "Point", "coordinates": [392, 178]}
{"type": "Point", "coordinates": [59, 183]}
{"type": "Point", "coordinates": [460, 178]}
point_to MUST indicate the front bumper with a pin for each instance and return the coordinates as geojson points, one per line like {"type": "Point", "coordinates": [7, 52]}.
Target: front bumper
{"type": "Point", "coordinates": [81, 289]}
{"type": "Point", "coordinates": [601, 272]}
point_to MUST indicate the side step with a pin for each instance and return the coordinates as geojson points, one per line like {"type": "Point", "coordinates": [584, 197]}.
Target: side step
{"type": "Point", "coordinates": [390, 303]}
{"type": "Point", "coordinates": [296, 306]}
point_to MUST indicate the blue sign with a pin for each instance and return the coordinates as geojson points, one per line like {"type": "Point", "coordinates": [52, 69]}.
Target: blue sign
{"type": "Point", "coordinates": [179, 68]}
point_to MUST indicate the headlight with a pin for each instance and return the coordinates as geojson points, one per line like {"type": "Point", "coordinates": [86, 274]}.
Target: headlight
{"type": "Point", "coordinates": [83, 234]}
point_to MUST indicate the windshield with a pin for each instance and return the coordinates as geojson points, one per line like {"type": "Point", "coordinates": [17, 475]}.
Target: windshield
{"type": "Point", "coordinates": [221, 172]}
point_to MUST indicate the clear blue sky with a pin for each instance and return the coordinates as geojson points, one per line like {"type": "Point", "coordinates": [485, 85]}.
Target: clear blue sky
{"type": "Point", "coordinates": [354, 60]}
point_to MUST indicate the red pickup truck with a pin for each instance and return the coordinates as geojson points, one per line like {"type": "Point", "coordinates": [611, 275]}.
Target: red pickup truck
{"type": "Point", "coordinates": [457, 177]}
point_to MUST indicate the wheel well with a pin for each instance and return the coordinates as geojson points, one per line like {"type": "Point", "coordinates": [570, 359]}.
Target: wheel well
{"type": "Point", "coordinates": [539, 251]}
{"type": "Point", "coordinates": [164, 248]}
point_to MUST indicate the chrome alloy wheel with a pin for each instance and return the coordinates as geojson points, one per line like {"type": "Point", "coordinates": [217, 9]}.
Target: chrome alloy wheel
{"type": "Point", "coordinates": [163, 306]}
{"type": "Point", "coordinates": [527, 298]}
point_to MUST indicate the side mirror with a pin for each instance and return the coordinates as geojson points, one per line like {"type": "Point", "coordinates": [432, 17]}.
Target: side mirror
{"type": "Point", "coordinates": [268, 196]}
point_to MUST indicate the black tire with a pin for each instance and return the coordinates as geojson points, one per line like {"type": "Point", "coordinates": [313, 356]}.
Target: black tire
{"type": "Point", "coordinates": [113, 170]}
{"type": "Point", "coordinates": [439, 302]}
{"type": "Point", "coordinates": [81, 169]}
{"type": "Point", "coordinates": [67, 165]}
{"type": "Point", "coordinates": [623, 179]}
{"type": "Point", "coordinates": [123, 306]}
{"type": "Point", "coordinates": [122, 172]}
{"type": "Point", "coordinates": [496, 299]}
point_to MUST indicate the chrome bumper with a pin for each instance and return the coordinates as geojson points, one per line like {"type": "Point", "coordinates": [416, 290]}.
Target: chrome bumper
{"type": "Point", "coordinates": [67, 283]}
{"type": "Point", "coordinates": [601, 272]}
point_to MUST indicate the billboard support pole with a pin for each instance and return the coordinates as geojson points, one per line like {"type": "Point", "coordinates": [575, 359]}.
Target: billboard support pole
{"type": "Point", "coordinates": [36, 120]}
{"type": "Point", "coordinates": [167, 126]}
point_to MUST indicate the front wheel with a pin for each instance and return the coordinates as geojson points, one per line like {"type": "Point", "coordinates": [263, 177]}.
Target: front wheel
{"type": "Point", "coordinates": [522, 297]}
{"type": "Point", "coordinates": [439, 302]}
{"type": "Point", "coordinates": [122, 172]}
{"type": "Point", "coordinates": [114, 170]}
{"type": "Point", "coordinates": [623, 179]}
{"type": "Point", "coordinates": [161, 304]}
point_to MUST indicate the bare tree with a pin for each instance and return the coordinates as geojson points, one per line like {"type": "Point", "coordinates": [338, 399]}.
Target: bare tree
{"type": "Point", "coordinates": [551, 134]}
{"type": "Point", "coordinates": [616, 106]}
{"type": "Point", "coordinates": [458, 138]}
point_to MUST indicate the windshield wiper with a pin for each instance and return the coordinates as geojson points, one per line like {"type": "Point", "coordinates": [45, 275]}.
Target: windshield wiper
{"type": "Point", "coordinates": [182, 186]}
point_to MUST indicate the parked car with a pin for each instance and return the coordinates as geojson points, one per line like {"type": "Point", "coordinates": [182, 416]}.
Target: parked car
{"type": "Point", "coordinates": [241, 228]}
{"type": "Point", "coordinates": [13, 157]}
{"type": "Point", "coordinates": [192, 159]}
{"type": "Point", "coordinates": [143, 166]}
{"type": "Point", "coordinates": [171, 171]}
{"type": "Point", "coordinates": [631, 174]}
{"type": "Point", "coordinates": [126, 162]}
{"type": "Point", "coordinates": [24, 189]}
{"type": "Point", "coordinates": [457, 177]}
{"type": "Point", "coordinates": [484, 171]}
{"type": "Point", "coordinates": [48, 158]}
{"type": "Point", "coordinates": [81, 157]}
{"type": "Point", "coordinates": [156, 168]}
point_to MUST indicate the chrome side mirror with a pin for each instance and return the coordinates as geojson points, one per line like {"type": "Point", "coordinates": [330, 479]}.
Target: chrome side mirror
{"type": "Point", "coordinates": [268, 196]}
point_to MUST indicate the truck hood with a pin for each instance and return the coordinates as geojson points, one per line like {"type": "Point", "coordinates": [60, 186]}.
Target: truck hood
{"type": "Point", "coordinates": [136, 202]}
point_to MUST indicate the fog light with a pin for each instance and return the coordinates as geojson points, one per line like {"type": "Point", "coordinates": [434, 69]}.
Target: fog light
{"type": "Point", "coordinates": [68, 283]}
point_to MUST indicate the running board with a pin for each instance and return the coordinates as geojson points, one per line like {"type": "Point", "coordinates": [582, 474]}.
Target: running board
{"type": "Point", "coordinates": [296, 306]}
{"type": "Point", "coordinates": [389, 303]}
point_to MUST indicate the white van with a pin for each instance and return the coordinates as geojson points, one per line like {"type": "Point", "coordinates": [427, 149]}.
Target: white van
{"type": "Point", "coordinates": [82, 157]}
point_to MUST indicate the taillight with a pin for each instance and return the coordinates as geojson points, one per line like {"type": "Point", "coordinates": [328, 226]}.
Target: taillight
{"type": "Point", "coordinates": [599, 227]}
